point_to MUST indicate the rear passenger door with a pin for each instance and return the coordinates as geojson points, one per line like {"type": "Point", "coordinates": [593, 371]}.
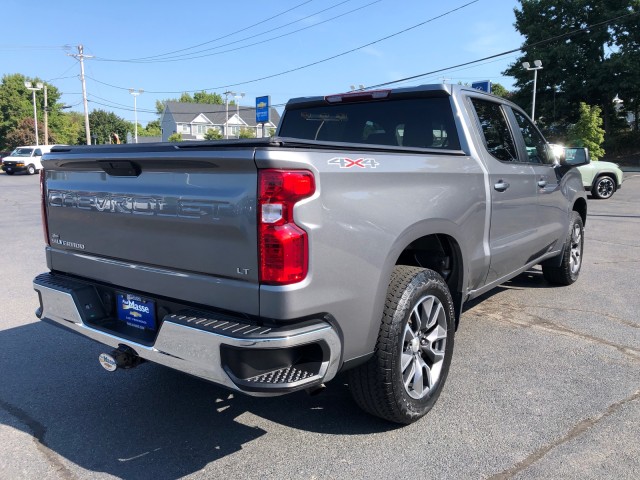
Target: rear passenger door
{"type": "Point", "coordinates": [513, 234]}
{"type": "Point", "coordinates": [552, 212]}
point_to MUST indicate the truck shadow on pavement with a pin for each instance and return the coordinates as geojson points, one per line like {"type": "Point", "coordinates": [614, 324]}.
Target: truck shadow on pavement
{"type": "Point", "coordinates": [528, 280]}
{"type": "Point", "coordinates": [150, 422]}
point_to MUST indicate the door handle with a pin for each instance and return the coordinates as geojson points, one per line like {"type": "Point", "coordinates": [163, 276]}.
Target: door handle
{"type": "Point", "coordinates": [501, 186]}
{"type": "Point", "coordinates": [542, 183]}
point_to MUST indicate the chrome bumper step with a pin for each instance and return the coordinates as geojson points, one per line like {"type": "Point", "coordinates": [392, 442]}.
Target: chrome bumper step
{"type": "Point", "coordinates": [193, 341]}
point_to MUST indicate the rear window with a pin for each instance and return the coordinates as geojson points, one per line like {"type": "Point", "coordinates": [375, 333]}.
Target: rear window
{"type": "Point", "coordinates": [414, 122]}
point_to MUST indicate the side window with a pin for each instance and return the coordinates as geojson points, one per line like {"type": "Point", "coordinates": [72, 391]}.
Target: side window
{"type": "Point", "coordinates": [538, 151]}
{"type": "Point", "coordinates": [495, 129]}
{"type": "Point", "coordinates": [37, 153]}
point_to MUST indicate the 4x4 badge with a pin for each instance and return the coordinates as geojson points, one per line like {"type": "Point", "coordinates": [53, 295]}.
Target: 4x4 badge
{"type": "Point", "coordinates": [345, 162]}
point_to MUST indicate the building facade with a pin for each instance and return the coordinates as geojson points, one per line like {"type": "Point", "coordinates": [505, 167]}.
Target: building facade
{"type": "Point", "coordinates": [193, 120]}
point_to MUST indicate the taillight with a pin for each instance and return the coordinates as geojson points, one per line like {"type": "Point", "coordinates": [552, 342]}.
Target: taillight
{"type": "Point", "coordinates": [43, 207]}
{"type": "Point", "coordinates": [283, 245]}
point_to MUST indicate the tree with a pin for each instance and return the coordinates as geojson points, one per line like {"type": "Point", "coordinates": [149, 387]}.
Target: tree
{"type": "Point", "coordinates": [588, 132]}
{"type": "Point", "coordinates": [213, 134]}
{"type": "Point", "coordinates": [626, 62]}
{"type": "Point", "coordinates": [68, 128]}
{"type": "Point", "coordinates": [16, 104]}
{"type": "Point", "coordinates": [574, 68]}
{"type": "Point", "coordinates": [175, 137]}
{"type": "Point", "coordinates": [247, 133]}
{"type": "Point", "coordinates": [205, 97]}
{"type": "Point", "coordinates": [500, 90]}
{"type": "Point", "coordinates": [103, 124]}
{"type": "Point", "coordinates": [23, 134]}
{"type": "Point", "coordinates": [151, 130]}
{"type": "Point", "coordinates": [198, 97]}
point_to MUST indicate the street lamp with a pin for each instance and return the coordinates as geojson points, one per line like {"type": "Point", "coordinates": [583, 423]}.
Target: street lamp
{"type": "Point", "coordinates": [238, 96]}
{"type": "Point", "coordinates": [34, 89]}
{"type": "Point", "coordinates": [135, 94]}
{"type": "Point", "coordinates": [537, 65]}
{"type": "Point", "coordinates": [617, 103]}
{"type": "Point", "coordinates": [226, 101]}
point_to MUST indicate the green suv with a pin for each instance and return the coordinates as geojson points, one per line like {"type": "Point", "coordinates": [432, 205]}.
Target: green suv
{"type": "Point", "coordinates": [600, 178]}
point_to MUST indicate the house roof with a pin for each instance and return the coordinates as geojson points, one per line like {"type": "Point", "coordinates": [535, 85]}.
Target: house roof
{"type": "Point", "coordinates": [187, 112]}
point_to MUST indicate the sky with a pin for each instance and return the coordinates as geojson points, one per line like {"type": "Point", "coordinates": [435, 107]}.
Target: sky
{"type": "Point", "coordinates": [285, 48]}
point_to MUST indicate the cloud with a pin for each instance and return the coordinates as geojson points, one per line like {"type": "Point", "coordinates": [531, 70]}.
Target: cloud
{"type": "Point", "coordinates": [491, 38]}
{"type": "Point", "coordinates": [374, 52]}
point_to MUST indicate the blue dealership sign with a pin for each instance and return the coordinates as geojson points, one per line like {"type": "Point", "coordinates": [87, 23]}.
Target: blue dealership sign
{"type": "Point", "coordinates": [484, 85]}
{"type": "Point", "coordinates": [262, 109]}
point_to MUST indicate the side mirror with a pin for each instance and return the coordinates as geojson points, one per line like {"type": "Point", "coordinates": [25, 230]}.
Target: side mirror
{"type": "Point", "coordinates": [575, 157]}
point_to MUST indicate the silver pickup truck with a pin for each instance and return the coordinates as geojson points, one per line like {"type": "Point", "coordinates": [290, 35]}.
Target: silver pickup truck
{"type": "Point", "coordinates": [349, 241]}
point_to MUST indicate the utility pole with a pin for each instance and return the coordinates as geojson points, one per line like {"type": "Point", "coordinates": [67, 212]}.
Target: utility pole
{"type": "Point", "coordinates": [46, 117]}
{"type": "Point", "coordinates": [80, 56]}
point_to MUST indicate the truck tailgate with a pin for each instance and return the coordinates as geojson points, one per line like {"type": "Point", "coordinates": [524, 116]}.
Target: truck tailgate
{"type": "Point", "coordinates": [191, 216]}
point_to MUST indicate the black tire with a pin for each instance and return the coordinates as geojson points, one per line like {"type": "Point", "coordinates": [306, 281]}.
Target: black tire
{"type": "Point", "coordinates": [31, 169]}
{"type": "Point", "coordinates": [379, 386]}
{"type": "Point", "coordinates": [604, 187]}
{"type": "Point", "coordinates": [10, 173]}
{"type": "Point", "coordinates": [569, 269]}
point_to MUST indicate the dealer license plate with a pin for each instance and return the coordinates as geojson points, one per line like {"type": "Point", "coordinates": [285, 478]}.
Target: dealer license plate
{"type": "Point", "coordinates": [136, 311]}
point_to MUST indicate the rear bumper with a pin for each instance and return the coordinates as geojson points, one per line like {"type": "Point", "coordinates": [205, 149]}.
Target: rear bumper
{"type": "Point", "coordinates": [257, 360]}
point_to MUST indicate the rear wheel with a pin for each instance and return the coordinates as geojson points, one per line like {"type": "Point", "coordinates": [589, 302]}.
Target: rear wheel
{"type": "Point", "coordinates": [405, 376]}
{"type": "Point", "coordinates": [569, 269]}
{"type": "Point", "coordinates": [604, 187]}
{"type": "Point", "coordinates": [31, 169]}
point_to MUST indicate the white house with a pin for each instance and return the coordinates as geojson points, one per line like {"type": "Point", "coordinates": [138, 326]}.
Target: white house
{"type": "Point", "coordinates": [193, 120]}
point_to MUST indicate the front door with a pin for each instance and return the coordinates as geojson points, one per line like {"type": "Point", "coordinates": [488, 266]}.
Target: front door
{"type": "Point", "coordinates": [513, 233]}
{"type": "Point", "coordinates": [553, 215]}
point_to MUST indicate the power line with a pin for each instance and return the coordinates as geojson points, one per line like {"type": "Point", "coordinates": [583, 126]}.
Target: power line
{"type": "Point", "coordinates": [122, 108]}
{"type": "Point", "coordinates": [461, 69]}
{"type": "Point", "coordinates": [224, 36]}
{"type": "Point", "coordinates": [535, 44]}
{"type": "Point", "coordinates": [309, 64]}
{"type": "Point", "coordinates": [193, 55]}
{"type": "Point", "coordinates": [35, 47]}
{"type": "Point", "coordinates": [120, 104]}
{"type": "Point", "coordinates": [466, 64]}
{"type": "Point", "coordinates": [62, 78]}
{"type": "Point", "coordinates": [585, 29]}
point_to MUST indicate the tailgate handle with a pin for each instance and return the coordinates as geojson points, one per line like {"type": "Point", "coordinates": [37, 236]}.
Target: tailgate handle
{"type": "Point", "coordinates": [120, 168]}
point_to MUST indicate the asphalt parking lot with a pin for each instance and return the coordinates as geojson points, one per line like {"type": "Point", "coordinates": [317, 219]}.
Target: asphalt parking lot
{"type": "Point", "coordinates": [545, 383]}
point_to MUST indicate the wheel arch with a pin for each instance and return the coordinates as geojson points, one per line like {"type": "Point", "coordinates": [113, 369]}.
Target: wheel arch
{"type": "Point", "coordinates": [442, 253]}
{"type": "Point", "coordinates": [606, 173]}
{"type": "Point", "coordinates": [580, 206]}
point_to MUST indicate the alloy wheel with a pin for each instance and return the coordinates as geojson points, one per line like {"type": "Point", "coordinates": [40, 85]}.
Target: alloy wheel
{"type": "Point", "coordinates": [605, 187]}
{"type": "Point", "coordinates": [423, 349]}
{"type": "Point", "coordinates": [576, 249]}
